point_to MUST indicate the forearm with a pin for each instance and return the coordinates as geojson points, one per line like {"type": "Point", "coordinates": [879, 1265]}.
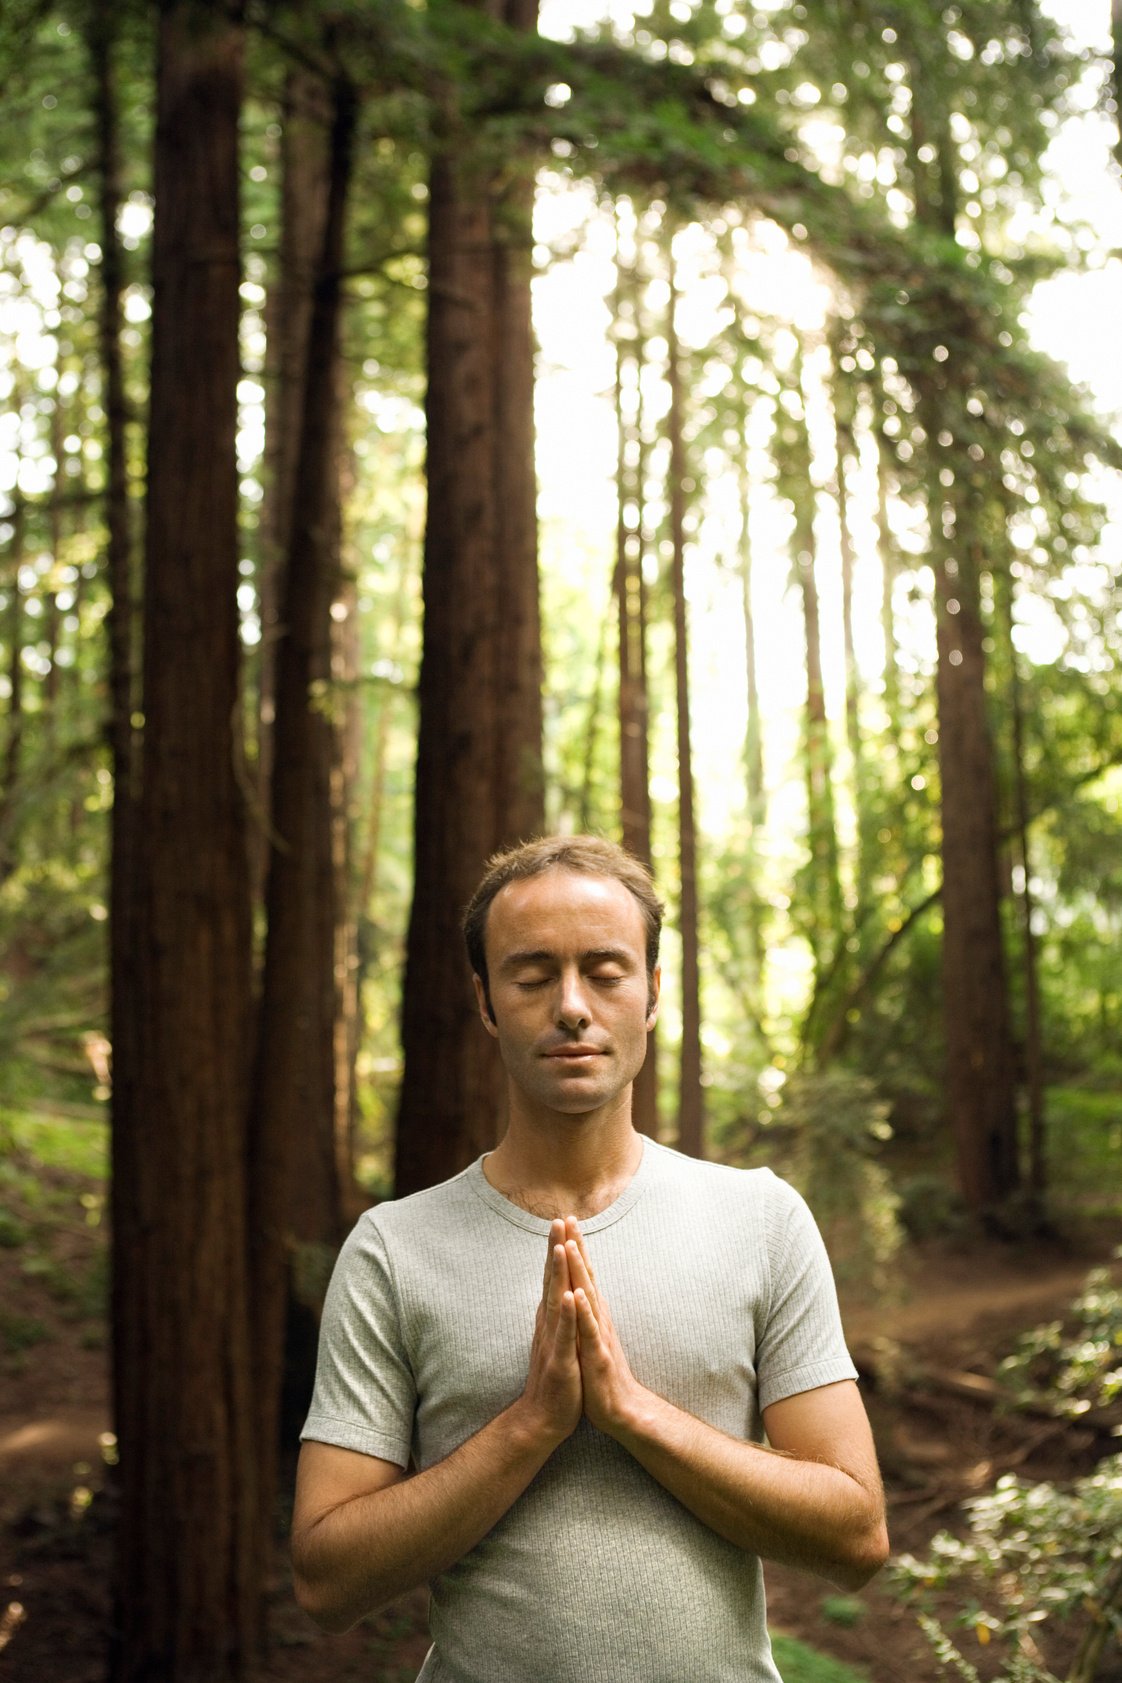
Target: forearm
{"type": "Point", "coordinates": [356, 1557]}
{"type": "Point", "coordinates": [804, 1513]}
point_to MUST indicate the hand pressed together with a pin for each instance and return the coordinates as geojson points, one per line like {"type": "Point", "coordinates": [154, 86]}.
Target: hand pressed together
{"type": "Point", "coordinates": [553, 1390]}
{"type": "Point", "coordinates": [577, 1364]}
{"type": "Point", "coordinates": [609, 1386]}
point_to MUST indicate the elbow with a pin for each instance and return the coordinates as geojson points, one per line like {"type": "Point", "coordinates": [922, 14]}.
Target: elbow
{"type": "Point", "coordinates": [315, 1600]}
{"type": "Point", "coordinates": [864, 1559]}
{"type": "Point", "coordinates": [320, 1591]}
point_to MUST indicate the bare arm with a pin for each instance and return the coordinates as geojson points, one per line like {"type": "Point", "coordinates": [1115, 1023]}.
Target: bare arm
{"type": "Point", "coordinates": [813, 1499]}
{"type": "Point", "coordinates": [363, 1532]}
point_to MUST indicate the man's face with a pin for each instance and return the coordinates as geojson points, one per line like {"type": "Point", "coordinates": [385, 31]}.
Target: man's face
{"type": "Point", "coordinates": [566, 962]}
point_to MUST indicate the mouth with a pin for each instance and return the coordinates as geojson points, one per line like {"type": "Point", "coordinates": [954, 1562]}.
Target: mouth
{"type": "Point", "coordinates": [574, 1054]}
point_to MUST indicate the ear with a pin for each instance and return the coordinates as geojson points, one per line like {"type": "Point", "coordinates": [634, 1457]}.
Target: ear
{"type": "Point", "coordinates": [481, 1000]}
{"type": "Point", "coordinates": [655, 988]}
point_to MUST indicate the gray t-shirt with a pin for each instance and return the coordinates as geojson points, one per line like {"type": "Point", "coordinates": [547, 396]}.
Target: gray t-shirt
{"type": "Point", "coordinates": [723, 1300]}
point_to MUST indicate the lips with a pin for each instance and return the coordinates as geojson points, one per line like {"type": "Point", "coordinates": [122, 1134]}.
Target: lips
{"type": "Point", "coordinates": [575, 1054]}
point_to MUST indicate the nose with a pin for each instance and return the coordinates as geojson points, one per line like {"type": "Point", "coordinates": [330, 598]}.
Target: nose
{"type": "Point", "coordinates": [572, 1004]}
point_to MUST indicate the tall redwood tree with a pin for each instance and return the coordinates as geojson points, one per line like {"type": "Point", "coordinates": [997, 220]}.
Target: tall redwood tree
{"type": "Point", "coordinates": [188, 1577]}
{"type": "Point", "coordinates": [981, 1063]}
{"type": "Point", "coordinates": [296, 1175]}
{"type": "Point", "coordinates": [479, 780]}
{"type": "Point", "coordinates": [691, 1111]}
{"type": "Point", "coordinates": [633, 705]}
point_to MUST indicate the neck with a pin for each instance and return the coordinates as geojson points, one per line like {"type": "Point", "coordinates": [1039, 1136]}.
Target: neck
{"type": "Point", "coordinates": [568, 1165]}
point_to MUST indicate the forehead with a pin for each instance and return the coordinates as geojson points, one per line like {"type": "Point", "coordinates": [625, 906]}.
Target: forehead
{"type": "Point", "coordinates": [563, 911]}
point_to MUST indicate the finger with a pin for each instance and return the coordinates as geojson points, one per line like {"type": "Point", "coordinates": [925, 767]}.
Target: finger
{"type": "Point", "coordinates": [580, 1273]}
{"type": "Point", "coordinates": [556, 1237]}
{"type": "Point", "coordinates": [573, 1232]}
{"type": "Point", "coordinates": [587, 1324]}
{"type": "Point", "coordinates": [559, 1284]}
{"type": "Point", "coordinates": [562, 1334]}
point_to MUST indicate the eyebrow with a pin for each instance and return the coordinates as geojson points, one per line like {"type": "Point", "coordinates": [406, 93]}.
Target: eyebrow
{"type": "Point", "coordinates": [542, 955]}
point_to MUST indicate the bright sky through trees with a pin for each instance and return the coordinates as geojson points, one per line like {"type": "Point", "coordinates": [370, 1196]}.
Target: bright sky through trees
{"type": "Point", "coordinates": [1073, 317]}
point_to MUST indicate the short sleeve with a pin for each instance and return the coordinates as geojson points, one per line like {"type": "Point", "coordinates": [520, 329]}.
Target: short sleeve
{"type": "Point", "coordinates": [365, 1396]}
{"type": "Point", "coordinates": [803, 1345]}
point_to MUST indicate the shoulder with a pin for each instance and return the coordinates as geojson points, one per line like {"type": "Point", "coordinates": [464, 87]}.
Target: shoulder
{"type": "Point", "coordinates": [750, 1205]}
{"type": "Point", "coordinates": [397, 1218]}
{"type": "Point", "coordinates": [759, 1189]}
{"type": "Point", "coordinates": [409, 1225]}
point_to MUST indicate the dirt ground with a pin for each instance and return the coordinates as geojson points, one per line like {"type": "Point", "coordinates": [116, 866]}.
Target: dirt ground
{"type": "Point", "coordinates": [960, 1309]}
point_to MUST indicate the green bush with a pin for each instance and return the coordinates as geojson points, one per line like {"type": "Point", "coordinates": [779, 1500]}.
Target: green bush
{"type": "Point", "coordinates": [20, 1332]}
{"type": "Point", "coordinates": [840, 1123]}
{"type": "Point", "coordinates": [12, 1232]}
{"type": "Point", "coordinates": [930, 1208]}
{"type": "Point", "coordinates": [799, 1664]}
{"type": "Point", "coordinates": [1034, 1553]}
{"type": "Point", "coordinates": [844, 1610]}
{"type": "Point", "coordinates": [1084, 1143]}
{"type": "Point", "coordinates": [1069, 1371]}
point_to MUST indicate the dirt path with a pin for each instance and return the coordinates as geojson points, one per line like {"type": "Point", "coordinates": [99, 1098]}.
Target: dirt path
{"type": "Point", "coordinates": [956, 1297]}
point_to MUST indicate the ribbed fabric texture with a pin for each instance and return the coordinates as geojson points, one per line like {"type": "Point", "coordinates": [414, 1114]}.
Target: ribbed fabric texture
{"type": "Point", "coordinates": [723, 1299]}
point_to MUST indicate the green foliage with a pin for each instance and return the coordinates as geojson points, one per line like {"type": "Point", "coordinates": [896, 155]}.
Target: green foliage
{"type": "Point", "coordinates": [1034, 1553]}
{"type": "Point", "coordinates": [712, 112]}
{"type": "Point", "coordinates": [844, 1610]}
{"type": "Point", "coordinates": [76, 1144]}
{"type": "Point", "coordinates": [1069, 1367]}
{"type": "Point", "coordinates": [52, 1192]}
{"type": "Point", "coordinates": [19, 1333]}
{"type": "Point", "coordinates": [799, 1663]}
{"type": "Point", "coordinates": [931, 1208]}
{"type": "Point", "coordinates": [840, 1122]}
{"type": "Point", "coordinates": [1083, 1141]}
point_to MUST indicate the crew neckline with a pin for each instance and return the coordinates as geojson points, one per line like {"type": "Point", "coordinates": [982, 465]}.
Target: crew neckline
{"type": "Point", "coordinates": [518, 1217]}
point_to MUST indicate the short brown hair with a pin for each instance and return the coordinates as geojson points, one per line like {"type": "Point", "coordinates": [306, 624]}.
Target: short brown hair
{"type": "Point", "coordinates": [591, 856]}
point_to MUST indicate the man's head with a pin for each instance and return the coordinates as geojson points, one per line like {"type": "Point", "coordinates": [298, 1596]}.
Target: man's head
{"type": "Point", "coordinates": [587, 856]}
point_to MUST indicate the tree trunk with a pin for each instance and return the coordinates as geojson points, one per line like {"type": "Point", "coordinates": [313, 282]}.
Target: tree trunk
{"type": "Point", "coordinates": [586, 802]}
{"type": "Point", "coordinates": [189, 1576]}
{"type": "Point", "coordinates": [1034, 1040]}
{"type": "Point", "coordinates": [295, 1181]}
{"type": "Point", "coordinates": [691, 1114]}
{"type": "Point", "coordinates": [479, 775]}
{"type": "Point", "coordinates": [631, 601]}
{"type": "Point", "coordinates": [823, 911]}
{"type": "Point", "coordinates": [121, 616]}
{"type": "Point", "coordinates": [756, 789]}
{"type": "Point", "coordinates": [890, 564]}
{"type": "Point", "coordinates": [121, 634]}
{"type": "Point", "coordinates": [844, 409]}
{"type": "Point", "coordinates": [52, 616]}
{"type": "Point", "coordinates": [305, 126]}
{"type": "Point", "coordinates": [348, 969]}
{"type": "Point", "coordinates": [980, 1064]}
{"type": "Point", "coordinates": [13, 745]}
{"type": "Point", "coordinates": [981, 1072]}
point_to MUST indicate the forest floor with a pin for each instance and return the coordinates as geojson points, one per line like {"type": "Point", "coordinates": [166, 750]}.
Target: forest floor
{"type": "Point", "coordinates": [926, 1360]}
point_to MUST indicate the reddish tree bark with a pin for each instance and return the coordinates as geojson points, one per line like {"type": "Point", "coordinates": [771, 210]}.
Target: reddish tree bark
{"type": "Point", "coordinates": [981, 1069]}
{"type": "Point", "coordinates": [295, 1182]}
{"type": "Point", "coordinates": [691, 1113]}
{"type": "Point", "coordinates": [479, 780]}
{"type": "Point", "coordinates": [980, 1082]}
{"type": "Point", "coordinates": [305, 131]}
{"type": "Point", "coordinates": [631, 601]}
{"type": "Point", "coordinates": [188, 1576]}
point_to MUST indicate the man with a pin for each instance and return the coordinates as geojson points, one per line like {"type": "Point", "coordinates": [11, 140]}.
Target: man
{"type": "Point", "coordinates": [590, 1495]}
